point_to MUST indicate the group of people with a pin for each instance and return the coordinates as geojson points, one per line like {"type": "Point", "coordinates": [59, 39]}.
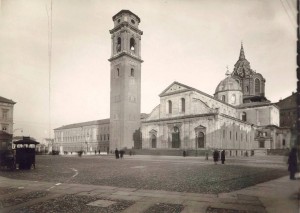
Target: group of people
{"type": "Point", "coordinates": [216, 156]}
{"type": "Point", "coordinates": [119, 154]}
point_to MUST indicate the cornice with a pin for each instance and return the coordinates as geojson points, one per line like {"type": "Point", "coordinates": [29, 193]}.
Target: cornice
{"type": "Point", "coordinates": [175, 92]}
{"type": "Point", "coordinates": [126, 24]}
{"type": "Point", "coordinates": [124, 53]}
{"type": "Point", "coordinates": [180, 117]}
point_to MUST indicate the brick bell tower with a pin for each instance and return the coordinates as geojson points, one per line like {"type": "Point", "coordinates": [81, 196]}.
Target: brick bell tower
{"type": "Point", "coordinates": [125, 79]}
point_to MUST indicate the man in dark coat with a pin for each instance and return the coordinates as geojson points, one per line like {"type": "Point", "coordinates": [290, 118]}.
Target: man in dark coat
{"type": "Point", "coordinates": [223, 156]}
{"type": "Point", "coordinates": [216, 156]}
{"type": "Point", "coordinates": [122, 153]}
{"type": "Point", "coordinates": [117, 153]}
{"type": "Point", "coordinates": [292, 161]}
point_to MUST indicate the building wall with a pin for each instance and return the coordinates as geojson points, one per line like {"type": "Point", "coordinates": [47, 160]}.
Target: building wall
{"type": "Point", "coordinates": [89, 138]}
{"type": "Point", "coordinates": [288, 111]}
{"type": "Point", "coordinates": [221, 132]}
{"type": "Point", "coordinates": [6, 117]}
{"type": "Point", "coordinates": [195, 103]}
{"type": "Point", "coordinates": [262, 115]}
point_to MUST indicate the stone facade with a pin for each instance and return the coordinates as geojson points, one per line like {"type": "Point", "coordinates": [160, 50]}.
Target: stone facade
{"type": "Point", "coordinates": [288, 111]}
{"type": "Point", "coordinates": [87, 137]}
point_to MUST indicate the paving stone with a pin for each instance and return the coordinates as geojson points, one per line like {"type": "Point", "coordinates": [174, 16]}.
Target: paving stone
{"type": "Point", "coordinates": [138, 207]}
{"type": "Point", "coordinates": [194, 207]}
{"type": "Point", "coordinates": [101, 203]}
{"type": "Point", "coordinates": [165, 207]}
{"type": "Point", "coordinates": [122, 193]}
{"type": "Point", "coordinates": [245, 208]}
{"type": "Point", "coordinates": [21, 198]}
{"type": "Point", "coordinates": [125, 197]}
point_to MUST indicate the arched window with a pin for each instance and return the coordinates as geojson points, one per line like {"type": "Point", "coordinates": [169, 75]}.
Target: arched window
{"type": "Point", "coordinates": [170, 107]}
{"type": "Point", "coordinates": [182, 105]}
{"type": "Point", "coordinates": [247, 88]}
{"type": "Point", "coordinates": [118, 72]}
{"type": "Point", "coordinates": [119, 44]}
{"type": "Point", "coordinates": [132, 72]}
{"type": "Point", "coordinates": [132, 44]}
{"type": "Point", "coordinates": [257, 86]}
{"type": "Point", "coordinates": [223, 98]}
{"type": "Point", "coordinates": [244, 116]}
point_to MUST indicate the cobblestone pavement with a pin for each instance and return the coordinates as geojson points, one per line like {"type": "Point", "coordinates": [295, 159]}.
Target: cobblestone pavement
{"type": "Point", "coordinates": [66, 184]}
{"type": "Point", "coordinates": [153, 173]}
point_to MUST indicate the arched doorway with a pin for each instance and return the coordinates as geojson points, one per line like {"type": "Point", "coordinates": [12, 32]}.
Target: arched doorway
{"type": "Point", "coordinates": [175, 137]}
{"type": "Point", "coordinates": [153, 141]}
{"type": "Point", "coordinates": [200, 140]}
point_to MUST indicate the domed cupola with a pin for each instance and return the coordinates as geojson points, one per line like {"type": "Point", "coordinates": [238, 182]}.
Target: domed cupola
{"type": "Point", "coordinates": [229, 91]}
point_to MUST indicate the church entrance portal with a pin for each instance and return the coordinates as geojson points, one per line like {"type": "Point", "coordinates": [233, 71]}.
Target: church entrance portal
{"type": "Point", "coordinates": [200, 140]}
{"type": "Point", "coordinates": [175, 138]}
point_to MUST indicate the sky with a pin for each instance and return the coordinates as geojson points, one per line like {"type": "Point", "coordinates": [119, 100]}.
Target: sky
{"type": "Point", "coordinates": [191, 41]}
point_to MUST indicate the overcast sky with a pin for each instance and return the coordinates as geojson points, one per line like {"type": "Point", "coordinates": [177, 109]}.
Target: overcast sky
{"type": "Point", "coordinates": [189, 41]}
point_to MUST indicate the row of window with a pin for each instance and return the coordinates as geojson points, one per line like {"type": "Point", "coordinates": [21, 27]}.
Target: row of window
{"type": "Point", "coordinates": [170, 107]}
{"type": "Point", "coordinates": [131, 72]}
{"type": "Point", "coordinates": [236, 136]}
{"type": "Point", "coordinates": [132, 44]}
{"type": "Point", "coordinates": [256, 85]}
{"type": "Point", "coordinates": [103, 137]}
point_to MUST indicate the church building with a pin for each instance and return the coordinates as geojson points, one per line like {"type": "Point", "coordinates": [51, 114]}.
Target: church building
{"type": "Point", "coordinates": [237, 117]}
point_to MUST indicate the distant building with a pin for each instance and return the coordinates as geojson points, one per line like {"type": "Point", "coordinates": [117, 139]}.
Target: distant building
{"type": "Point", "coordinates": [6, 122]}
{"type": "Point", "coordinates": [6, 114]}
{"type": "Point", "coordinates": [288, 111]}
{"type": "Point", "coordinates": [88, 136]}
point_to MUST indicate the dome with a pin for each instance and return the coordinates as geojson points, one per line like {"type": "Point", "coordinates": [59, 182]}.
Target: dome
{"type": "Point", "coordinates": [228, 84]}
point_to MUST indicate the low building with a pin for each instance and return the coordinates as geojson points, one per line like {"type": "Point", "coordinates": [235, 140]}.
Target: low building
{"type": "Point", "coordinates": [88, 136]}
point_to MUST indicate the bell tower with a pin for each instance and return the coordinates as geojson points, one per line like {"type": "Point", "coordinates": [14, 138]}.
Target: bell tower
{"type": "Point", "coordinates": [125, 79]}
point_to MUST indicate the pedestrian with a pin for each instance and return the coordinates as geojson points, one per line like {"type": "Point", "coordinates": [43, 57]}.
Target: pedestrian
{"type": "Point", "coordinates": [95, 152]}
{"type": "Point", "coordinates": [206, 155]}
{"type": "Point", "coordinates": [99, 151]}
{"type": "Point", "coordinates": [184, 153]}
{"type": "Point", "coordinates": [117, 153]}
{"type": "Point", "coordinates": [121, 153]}
{"type": "Point", "coordinates": [223, 156]}
{"type": "Point", "coordinates": [216, 156]}
{"type": "Point", "coordinates": [292, 161]}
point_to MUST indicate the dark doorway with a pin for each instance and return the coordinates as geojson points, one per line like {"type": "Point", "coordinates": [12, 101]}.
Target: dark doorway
{"type": "Point", "coordinates": [175, 138]}
{"type": "Point", "coordinates": [200, 140]}
{"type": "Point", "coordinates": [153, 141]}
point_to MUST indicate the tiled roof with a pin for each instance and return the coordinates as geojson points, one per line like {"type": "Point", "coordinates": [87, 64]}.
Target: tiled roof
{"type": "Point", "coordinates": [5, 100]}
{"type": "Point", "coordinates": [88, 123]}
